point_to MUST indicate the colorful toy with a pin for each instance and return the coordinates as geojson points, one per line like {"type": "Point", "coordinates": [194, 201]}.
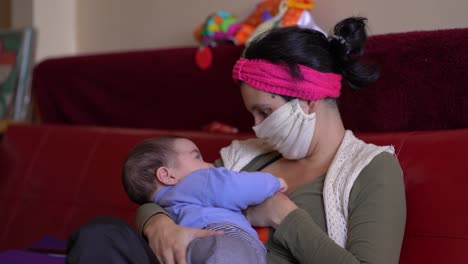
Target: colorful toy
{"type": "Point", "coordinates": [264, 11]}
{"type": "Point", "coordinates": [222, 27]}
{"type": "Point", "coordinates": [219, 27]}
{"type": "Point", "coordinates": [287, 13]}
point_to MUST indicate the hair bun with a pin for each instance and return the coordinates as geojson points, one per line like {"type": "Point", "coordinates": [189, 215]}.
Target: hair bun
{"type": "Point", "coordinates": [348, 40]}
{"type": "Point", "coordinates": [347, 44]}
{"type": "Point", "coordinates": [342, 41]}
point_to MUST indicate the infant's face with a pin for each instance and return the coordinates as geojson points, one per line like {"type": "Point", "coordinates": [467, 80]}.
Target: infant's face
{"type": "Point", "coordinates": [188, 159]}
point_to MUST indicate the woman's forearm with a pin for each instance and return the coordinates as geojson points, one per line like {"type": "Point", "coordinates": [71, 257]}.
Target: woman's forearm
{"type": "Point", "coordinates": [155, 223]}
{"type": "Point", "coordinates": [146, 212]}
{"type": "Point", "coordinates": [307, 242]}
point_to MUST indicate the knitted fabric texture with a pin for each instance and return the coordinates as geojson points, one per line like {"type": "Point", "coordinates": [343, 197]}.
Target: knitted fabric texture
{"type": "Point", "coordinates": [241, 152]}
{"type": "Point", "coordinates": [274, 78]}
{"type": "Point", "coordinates": [352, 157]}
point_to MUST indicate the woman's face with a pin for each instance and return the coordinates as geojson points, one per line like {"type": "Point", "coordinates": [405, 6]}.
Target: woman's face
{"type": "Point", "coordinates": [259, 103]}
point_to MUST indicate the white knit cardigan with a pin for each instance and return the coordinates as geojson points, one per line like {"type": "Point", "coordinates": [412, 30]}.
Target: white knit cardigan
{"type": "Point", "coordinates": [352, 157]}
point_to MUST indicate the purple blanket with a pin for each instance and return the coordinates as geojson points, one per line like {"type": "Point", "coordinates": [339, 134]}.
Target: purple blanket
{"type": "Point", "coordinates": [26, 257]}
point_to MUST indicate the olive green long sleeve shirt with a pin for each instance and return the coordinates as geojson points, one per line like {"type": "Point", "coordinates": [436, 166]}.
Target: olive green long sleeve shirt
{"type": "Point", "coordinates": [377, 216]}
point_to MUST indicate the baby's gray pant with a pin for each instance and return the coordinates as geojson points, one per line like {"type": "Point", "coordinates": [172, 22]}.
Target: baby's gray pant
{"type": "Point", "coordinates": [235, 246]}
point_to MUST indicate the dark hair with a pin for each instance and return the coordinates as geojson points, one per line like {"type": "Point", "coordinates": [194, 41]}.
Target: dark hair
{"type": "Point", "coordinates": [141, 163]}
{"type": "Point", "coordinates": [338, 54]}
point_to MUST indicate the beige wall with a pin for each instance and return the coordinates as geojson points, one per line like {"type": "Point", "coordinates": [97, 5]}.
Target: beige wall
{"type": "Point", "coordinates": [5, 10]}
{"type": "Point", "coordinates": [108, 25]}
{"type": "Point", "coordinates": [123, 24]}
{"type": "Point", "coordinates": [395, 16]}
{"type": "Point", "coordinates": [54, 22]}
{"type": "Point", "coordinates": [21, 13]}
{"type": "Point", "coordinates": [67, 27]}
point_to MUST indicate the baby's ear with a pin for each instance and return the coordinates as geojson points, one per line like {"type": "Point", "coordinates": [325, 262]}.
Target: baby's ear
{"type": "Point", "coordinates": [163, 174]}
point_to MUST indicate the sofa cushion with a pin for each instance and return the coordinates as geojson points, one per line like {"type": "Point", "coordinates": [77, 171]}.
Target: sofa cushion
{"type": "Point", "coordinates": [64, 176]}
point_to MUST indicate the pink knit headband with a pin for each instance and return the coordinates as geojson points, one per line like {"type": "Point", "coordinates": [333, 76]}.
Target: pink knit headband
{"type": "Point", "coordinates": [274, 78]}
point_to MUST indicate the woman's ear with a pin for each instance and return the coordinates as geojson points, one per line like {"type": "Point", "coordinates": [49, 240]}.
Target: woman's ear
{"type": "Point", "coordinates": [163, 174]}
{"type": "Point", "coordinates": [308, 106]}
{"type": "Point", "coordinates": [312, 106]}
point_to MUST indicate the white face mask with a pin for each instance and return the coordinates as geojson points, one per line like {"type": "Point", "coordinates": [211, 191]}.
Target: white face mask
{"type": "Point", "coordinates": [288, 130]}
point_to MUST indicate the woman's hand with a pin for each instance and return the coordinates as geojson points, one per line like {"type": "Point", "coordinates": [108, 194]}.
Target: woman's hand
{"type": "Point", "coordinates": [169, 241]}
{"type": "Point", "coordinates": [271, 212]}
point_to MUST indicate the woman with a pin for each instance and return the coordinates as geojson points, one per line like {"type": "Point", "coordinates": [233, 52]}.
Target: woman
{"type": "Point", "coordinates": [345, 202]}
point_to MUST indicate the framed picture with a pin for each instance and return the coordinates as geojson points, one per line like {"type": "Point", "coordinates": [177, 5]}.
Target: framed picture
{"type": "Point", "coordinates": [15, 74]}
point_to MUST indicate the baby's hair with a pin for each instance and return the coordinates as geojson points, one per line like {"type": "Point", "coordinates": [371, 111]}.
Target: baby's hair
{"type": "Point", "coordinates": [141, 164]}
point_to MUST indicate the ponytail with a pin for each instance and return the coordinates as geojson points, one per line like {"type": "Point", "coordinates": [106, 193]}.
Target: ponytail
{"type": "Point", "coordinates": [347, 46]}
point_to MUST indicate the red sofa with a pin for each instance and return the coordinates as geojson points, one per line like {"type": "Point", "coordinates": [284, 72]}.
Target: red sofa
{"type": "Point", "coordinates": [55, 178]}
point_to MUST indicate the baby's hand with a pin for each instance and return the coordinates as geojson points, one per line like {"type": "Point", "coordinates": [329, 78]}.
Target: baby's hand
{"type": "Point", "coordinates": [283, 185]}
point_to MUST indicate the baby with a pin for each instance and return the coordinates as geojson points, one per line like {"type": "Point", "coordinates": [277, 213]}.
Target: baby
{"type": "Point", "coordinates": [170, 171]}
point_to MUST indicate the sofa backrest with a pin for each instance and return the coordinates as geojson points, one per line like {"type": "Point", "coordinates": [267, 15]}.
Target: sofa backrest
{"type": "Point", "coordinates": [162, 89]}
{"type": "Point", "coordinates": [423, 84]}
{"type": "Point", "coordinates": [60, 177]}
{"type": "Point", "coordinates": [423, 87]}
